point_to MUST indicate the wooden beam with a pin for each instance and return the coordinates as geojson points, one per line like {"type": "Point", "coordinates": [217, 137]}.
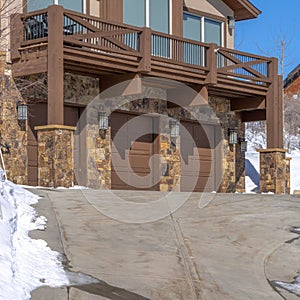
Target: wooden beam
{"type": "Point", "coordinates": [274, 108]}
{"type": "Point", "coordinates": [55, 65]}
{"type": "Point", "coordinates": [247, 103]}
{"type": "Point", "coordinates": [145, 48]}
{"type": "Point", "coordinates": [177, 13]}
{"type": "Point", "coordinates": [211, 60]}
{"type": "Point", "coordinates": [254, 115]}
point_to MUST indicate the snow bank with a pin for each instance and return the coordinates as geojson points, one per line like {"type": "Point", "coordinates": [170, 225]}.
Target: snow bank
{"type": "Point", "coordinates": [25, 264]}
{"type": "Point", "coordinates": [295, 170]}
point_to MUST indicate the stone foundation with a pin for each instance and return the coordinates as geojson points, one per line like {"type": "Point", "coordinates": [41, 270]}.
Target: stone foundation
{"type": "Point", "coordinates": [55, 156]}
{"type": "Point", "coordinates": [274, 171]}
{"type": "Point", "coordinates": [12, 131]}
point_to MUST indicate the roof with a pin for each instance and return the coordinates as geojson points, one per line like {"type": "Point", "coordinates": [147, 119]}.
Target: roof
{"type": "Point", "coordinates": [243, 9]}
{"type": "Point", "coordinates": [291, 82]}
{"type": "Point", "coordinates": [292, 76]}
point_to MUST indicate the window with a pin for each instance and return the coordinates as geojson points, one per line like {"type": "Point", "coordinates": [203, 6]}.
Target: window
{"type": "Point", "coordinates": [76, 5]}
{"type": "Point", "coordinates": [202, 29]}
{"type": "Point", "coordinates": [33, 5]}
{"type": "Point", "coordinates": [148, 13]}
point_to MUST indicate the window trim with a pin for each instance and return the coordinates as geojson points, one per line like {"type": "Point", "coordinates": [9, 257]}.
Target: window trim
{"type": "Point", "coordinates": [202, 22]}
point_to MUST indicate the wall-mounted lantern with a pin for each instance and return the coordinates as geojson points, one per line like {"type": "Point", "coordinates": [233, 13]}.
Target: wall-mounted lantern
{"type": "Point", "coordinates": [103, 123]}
{"type": "Point", "coordinates": [244, 144]}
{"type": "Point", "coordinates": [22, 109]}
{"type": "Point", "coordinates": [231, 22]}
{"type": "Point", "coordinates": [232, 137]}
{"type": "Point", "coordinates": [174, 129]}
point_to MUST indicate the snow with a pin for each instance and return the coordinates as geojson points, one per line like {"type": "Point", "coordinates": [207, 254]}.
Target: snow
{"type": "Point", "coordinates": [295, 170]}
{"type": "Point", "coordinates": [25, 263]}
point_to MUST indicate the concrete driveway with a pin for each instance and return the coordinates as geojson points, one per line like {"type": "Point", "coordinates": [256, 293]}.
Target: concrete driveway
{"type": "Point", "coordinates": [216, 246]}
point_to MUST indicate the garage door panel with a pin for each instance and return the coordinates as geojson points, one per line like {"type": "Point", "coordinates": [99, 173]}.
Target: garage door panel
{"type": "Point", "coordinates": [197, 172]}
{"type": "Point", "coordinates": [136, 152]}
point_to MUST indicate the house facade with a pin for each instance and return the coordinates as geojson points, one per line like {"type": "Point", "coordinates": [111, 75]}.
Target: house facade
{"type": "Point", "coordinates": [138, 94]}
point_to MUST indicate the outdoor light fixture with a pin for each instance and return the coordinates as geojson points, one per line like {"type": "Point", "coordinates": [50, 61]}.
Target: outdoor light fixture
{"type": "Point", "coordinates": [231, 22]}
{"type": "Point", "coordinates": [174, 129]}
{"type": "Point", "coordinates": [103, 121]}
{"type": "Point", "coordinates": [232, 136]}
{"type": "Point", "coordinates": [22, 109]}
{"type": "Point", "coordinates": [243, 144]}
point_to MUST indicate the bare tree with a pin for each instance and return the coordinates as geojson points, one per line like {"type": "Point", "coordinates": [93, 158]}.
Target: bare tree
{"type": "Point", "coordinates": [281, 42]}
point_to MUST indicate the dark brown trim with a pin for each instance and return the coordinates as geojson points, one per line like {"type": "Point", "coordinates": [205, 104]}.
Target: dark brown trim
{"type": "Point", "coordinates": [114, 10]}
{"type": "Point", "coordinates": [254, 115]}
{"type": "Point", "coordinates": [88, 6]}
{"type": "Point", "coordinates": [247, 104]}
{"type": "Point", "coordinates": [177, 17]}
{"type": "Point", "coordinates": [55, 65]}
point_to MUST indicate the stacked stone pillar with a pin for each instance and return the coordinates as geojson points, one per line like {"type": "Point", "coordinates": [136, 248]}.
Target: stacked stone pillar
{"type": "Point", "coordinates": [55, 155]}
{"type": "Point", "coordinates": [274, 171]}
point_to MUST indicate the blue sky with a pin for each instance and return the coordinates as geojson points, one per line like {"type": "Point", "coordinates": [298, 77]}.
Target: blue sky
{"type": "Point", "coordinates": [279, 20]}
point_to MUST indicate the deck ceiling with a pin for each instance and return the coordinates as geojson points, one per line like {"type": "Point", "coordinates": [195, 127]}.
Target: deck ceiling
{"type": "Point", "coordinates": [243, 9]}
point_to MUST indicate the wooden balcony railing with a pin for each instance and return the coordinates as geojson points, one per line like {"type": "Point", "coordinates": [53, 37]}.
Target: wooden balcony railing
{"type": "Point", "coordinates": [150, 50]}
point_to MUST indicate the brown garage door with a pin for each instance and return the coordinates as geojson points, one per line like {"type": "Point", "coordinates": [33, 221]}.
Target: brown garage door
{"type": "Point", "coordinates": [131, 153]}
{"type": "Point", "coordinates": [197, 168]}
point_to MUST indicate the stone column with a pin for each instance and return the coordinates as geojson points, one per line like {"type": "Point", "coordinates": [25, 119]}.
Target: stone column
{"type": "Point", "coordinates": [55, 155]}
{"type": "Point", "coordinates": [273, 171]}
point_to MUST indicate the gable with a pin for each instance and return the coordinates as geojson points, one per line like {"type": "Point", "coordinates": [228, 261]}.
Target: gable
{"type": "Point", "coordinates": [243, 9]}
{"type": "Point", "coordinates": [240, 9]}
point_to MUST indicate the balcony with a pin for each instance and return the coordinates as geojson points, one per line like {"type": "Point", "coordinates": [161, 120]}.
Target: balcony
{"type": "Point", "coordinates": [94, 46]}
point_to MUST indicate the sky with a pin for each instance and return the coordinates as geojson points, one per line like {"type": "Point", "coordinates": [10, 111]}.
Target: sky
{"type": "Point", "coordinates": [278, 21]}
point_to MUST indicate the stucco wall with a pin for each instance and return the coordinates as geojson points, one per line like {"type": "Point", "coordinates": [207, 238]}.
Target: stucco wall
{"type": "Point", "coordinates": [7, 8]}
{"type": "Point", "coordinates": [94, 7]}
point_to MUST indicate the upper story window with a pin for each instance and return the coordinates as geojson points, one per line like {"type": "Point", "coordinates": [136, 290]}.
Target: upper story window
{"type": "Point", "coordinates": [148, 13]}
{"type": "Point", "coordinates": [76, 5]}
{"type": "Point", "coordinates": [202, 29]}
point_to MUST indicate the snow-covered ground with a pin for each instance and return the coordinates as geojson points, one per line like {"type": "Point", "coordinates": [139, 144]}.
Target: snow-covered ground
{"type": "Point", "coordinates": [25, 264]}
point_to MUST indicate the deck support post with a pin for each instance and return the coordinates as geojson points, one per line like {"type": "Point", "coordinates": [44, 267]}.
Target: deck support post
{"type": "Point", "coordinates": [55, 65]}
{"type": "Point", "coordinates": [274, 166]}
{"type": "Point", "coordinates": [274, 112]}
{"type": "Point", "coordinates": [145, 49]}
{"type": "Point", "coordinates": [211, 63]}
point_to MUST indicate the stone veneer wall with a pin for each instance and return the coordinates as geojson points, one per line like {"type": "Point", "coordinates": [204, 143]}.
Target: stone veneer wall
{"type": "Point", "coordinates": [12, 131]}
{"type": "Point", "coordinates": [273, 171]}
{"type": "Point", "coordinates": [55, 155]}
{"type": "Point", "coordinates": [233, 161]}
{"type": "Point", "coordinates": [99, 148]}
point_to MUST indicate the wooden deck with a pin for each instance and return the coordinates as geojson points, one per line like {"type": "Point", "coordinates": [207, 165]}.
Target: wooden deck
{"type": "Point", "coordinates": [55, 40]}
{"type": "Point", "coordinates": [95, 46]}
